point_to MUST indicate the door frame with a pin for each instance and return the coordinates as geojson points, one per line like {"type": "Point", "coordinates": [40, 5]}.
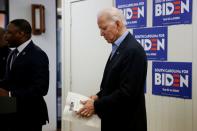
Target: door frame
{"type": "Point", "coordinates": [66, 54]}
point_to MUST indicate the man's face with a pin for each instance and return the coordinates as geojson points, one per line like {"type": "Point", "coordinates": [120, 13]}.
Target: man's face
{"type": "Point", "coordinates": [108, 29]}
{"type": "Point", "coordinates": [12, 35]}
{"type": "Point", "coordinates": [3, 42]}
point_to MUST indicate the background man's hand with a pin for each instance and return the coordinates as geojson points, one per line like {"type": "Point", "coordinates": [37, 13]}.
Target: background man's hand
{"type": "Point", "coordinates": [3, 92]}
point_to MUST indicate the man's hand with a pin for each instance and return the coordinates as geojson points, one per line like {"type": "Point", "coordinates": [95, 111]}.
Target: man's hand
{"type": "Point", "coordinates": [88, 108]}
{"type": "Point", "coordinates": [3, 92]}
{"type": "Point", "coordinates": [94, 97]}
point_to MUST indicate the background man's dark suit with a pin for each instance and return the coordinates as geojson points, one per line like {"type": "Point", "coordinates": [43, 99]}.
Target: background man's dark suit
{"type": "Point", "coordinates": [121, 102]}
{"type": "Point", "coordinates": [28, 81]}
{"type": "Point", "coordinates": [27, 78]}
{"type": "Point", "coordinates": [4, 52]}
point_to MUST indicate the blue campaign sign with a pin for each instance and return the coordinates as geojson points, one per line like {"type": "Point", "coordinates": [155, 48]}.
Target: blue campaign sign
{"type": "Point", "coordinates": [154, 41]}
{"type": "Point", "coordinates": [135, 12]}
{"type": "Point", "coordinates": [172, 79]}
{"type": "Point", "coordinates": [172, 12]}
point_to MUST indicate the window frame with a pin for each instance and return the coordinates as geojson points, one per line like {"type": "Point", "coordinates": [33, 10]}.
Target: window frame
{"type": "Point", "coordinates": [5, 12]}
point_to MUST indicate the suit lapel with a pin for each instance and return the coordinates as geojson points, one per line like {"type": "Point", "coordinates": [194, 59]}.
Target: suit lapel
{"type": "Point", "coordinates": [25, 50]}
{"type": "Point", "coordinates": [23, 53]}
{"type": "Point", "coordinates": [116, 55]}
{"type": "Point", "coordinates": [8, 64]}
{"type": "Point", "coordinates": [120, 49]}
{"type": "Point", "coordinates": [114, 59]}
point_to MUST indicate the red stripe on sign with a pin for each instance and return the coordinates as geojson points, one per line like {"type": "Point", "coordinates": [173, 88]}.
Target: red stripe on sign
{"type": "Point", "coordinates": [177, 7]}
{"type": "Point", "coordinates": [154, 49]}
{"type": "Point", "coordinates": [176, 75]}
{"type": "Point", "coordinates": [177, 80]}
{"type": "Point", "coordinates": [154, 44]}
{"type": "Point", "coordinates": [135, 13]}
{"type": "Point", "coordinates": [153, 40]}
{"type": "Point", "coordinates": [135, 8]}
{"type": "Point", "coordinates": [177, 2]}
{"type": "Point", "coordinates": [134, 17]}
{"type": "Point", "coordinates": [176, 12]}
{"type": "Point", "coordinates": [176, 85]}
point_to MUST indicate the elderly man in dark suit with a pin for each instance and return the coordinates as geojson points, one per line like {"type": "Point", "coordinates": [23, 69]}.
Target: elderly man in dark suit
{"type": "Point", "coordinates": [27, 78]}
{"type": "Point", "coordinates": [120, 103]}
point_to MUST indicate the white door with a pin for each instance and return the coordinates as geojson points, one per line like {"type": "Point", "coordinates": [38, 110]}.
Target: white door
{"type": "Point", "coordinates": [89, 51]}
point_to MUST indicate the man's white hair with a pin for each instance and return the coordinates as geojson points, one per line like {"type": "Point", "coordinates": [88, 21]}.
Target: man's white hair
{"type": "Point", "coordinates": [113, 14]}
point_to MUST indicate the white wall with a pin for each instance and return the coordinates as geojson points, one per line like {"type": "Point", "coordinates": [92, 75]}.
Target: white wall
{"type": "Point", "coordinates": [164, 113]}
{"type": "Point", "coordinates": [47, 41]}
{"type": "Point", "coordinates": [170, 113]}
{"type": "Point", "coordinates": [194, 42]}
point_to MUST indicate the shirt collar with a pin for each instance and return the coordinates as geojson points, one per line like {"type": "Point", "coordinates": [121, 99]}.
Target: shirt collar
{"type": "Point", "coordinates": [120, 39]}
{"type": "Point", "coordinates": [22, 46]}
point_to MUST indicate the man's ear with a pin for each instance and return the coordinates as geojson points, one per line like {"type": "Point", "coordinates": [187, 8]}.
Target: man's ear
{"type": "Point", "coordinates": [119, 24]}
{"type": "Point", "coordinates": [21, 34]}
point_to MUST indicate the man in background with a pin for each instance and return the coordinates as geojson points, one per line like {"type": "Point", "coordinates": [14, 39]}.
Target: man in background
{"type": "Point", "coordinates": [26, 79]}
{"type": "Point", "coordinates": [120, 103]}
{"type": "Point", "coordinates": [4, 52]}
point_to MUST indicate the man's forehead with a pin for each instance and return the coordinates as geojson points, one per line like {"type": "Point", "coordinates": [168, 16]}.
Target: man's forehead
{"type": "Point", "coordinates": [12, 27]}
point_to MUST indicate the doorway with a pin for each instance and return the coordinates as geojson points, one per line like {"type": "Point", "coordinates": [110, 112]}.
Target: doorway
{"type": "Point", "coordinates": [85, 51]}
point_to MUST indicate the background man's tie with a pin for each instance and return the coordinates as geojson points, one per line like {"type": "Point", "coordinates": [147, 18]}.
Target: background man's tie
{"type": "Point", "coordinates": [14, 55]}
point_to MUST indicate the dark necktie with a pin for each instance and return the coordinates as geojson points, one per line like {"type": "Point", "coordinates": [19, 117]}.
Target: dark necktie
{"type": "Point", "coordinates": [14, 55]}
{"type": "Point", "coordinates": [114, 47]}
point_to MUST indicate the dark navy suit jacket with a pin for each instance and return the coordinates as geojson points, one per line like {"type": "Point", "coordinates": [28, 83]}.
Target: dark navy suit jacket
{"type": "Point", "coordinates": [28, 81]}
{"type": "Point", "coordinates": [121, 103]}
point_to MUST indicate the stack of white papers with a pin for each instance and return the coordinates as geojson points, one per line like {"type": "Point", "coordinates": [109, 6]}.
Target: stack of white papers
{"type": "Point", "coordinates": [73, 104]}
